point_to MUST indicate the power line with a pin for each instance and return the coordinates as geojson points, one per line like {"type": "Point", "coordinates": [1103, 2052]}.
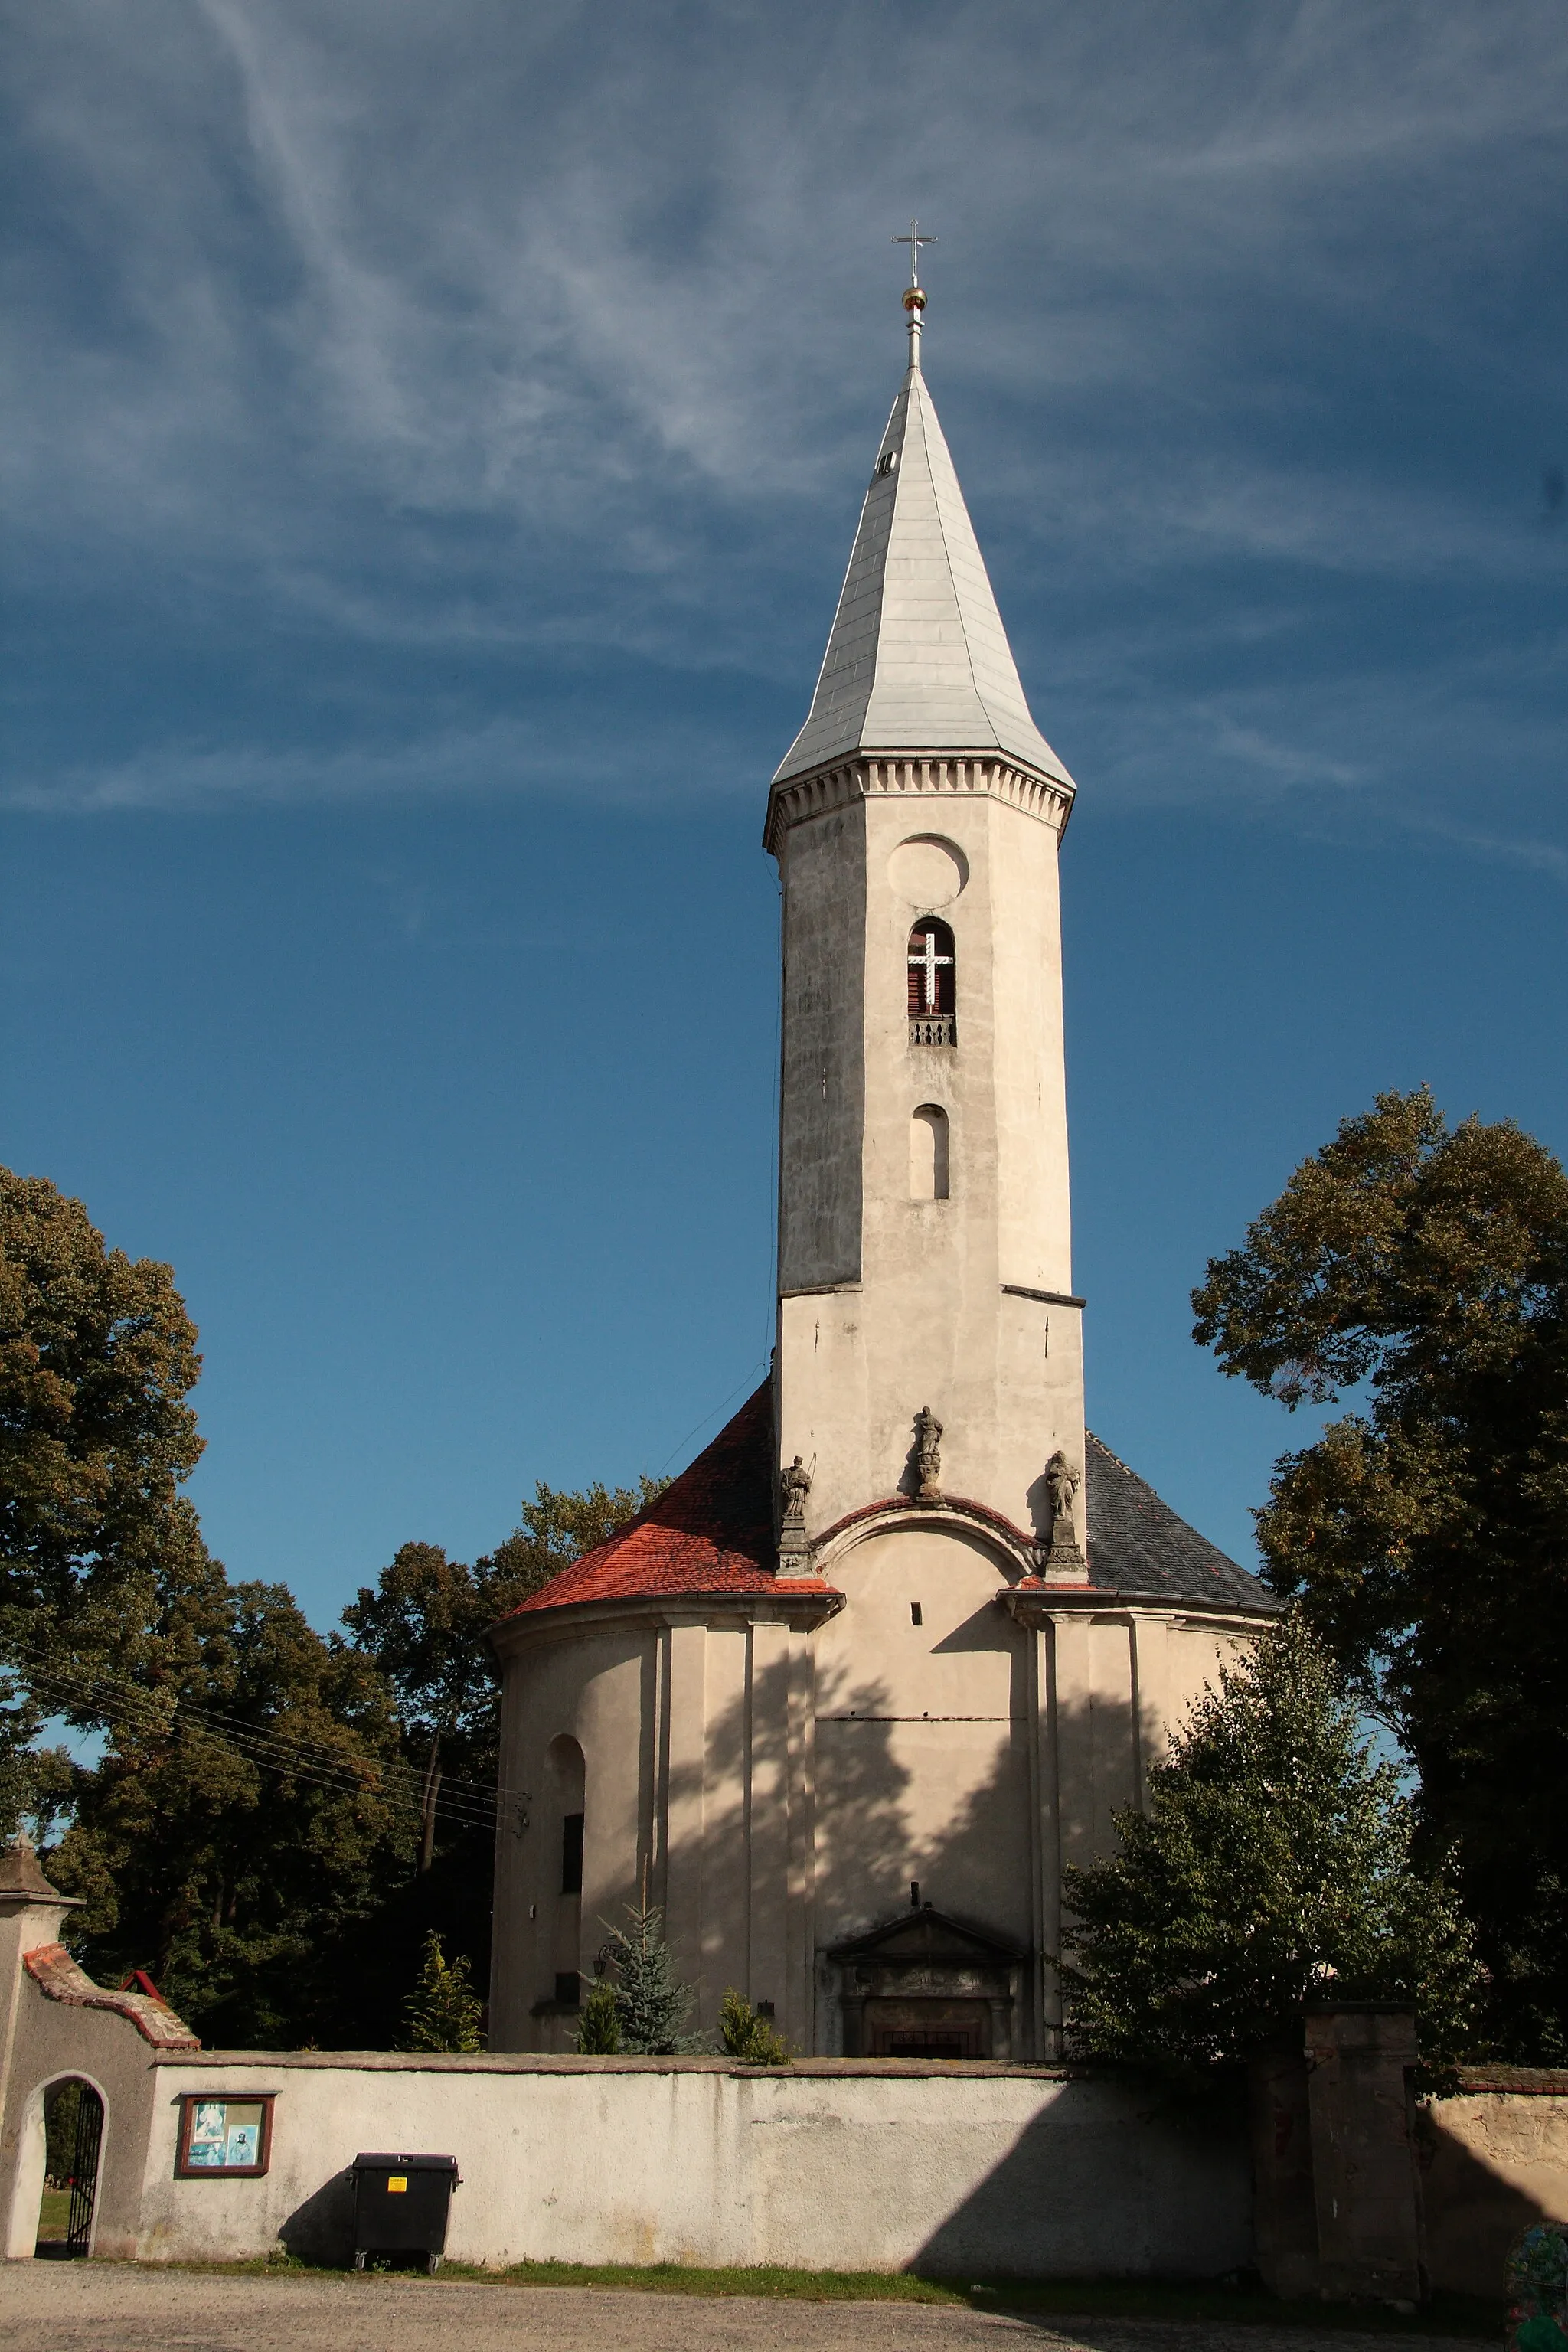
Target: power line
{"type": "Point", "coordinates": [367, 1779]}
{"type": "Point", "coordinates": [45, 1667]}
{"type": "Point", "coordinates": [713, 1415]}
{"type": "Point", "coordinates": [397, 1786]}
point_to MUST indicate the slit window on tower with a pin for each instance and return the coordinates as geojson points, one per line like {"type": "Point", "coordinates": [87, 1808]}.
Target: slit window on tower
{"type": "Point", "coordinates": [571, 1855]}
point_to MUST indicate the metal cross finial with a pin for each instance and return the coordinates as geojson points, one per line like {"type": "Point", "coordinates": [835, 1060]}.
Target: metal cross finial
{"type": "Point", "coordinates": [914, 241]}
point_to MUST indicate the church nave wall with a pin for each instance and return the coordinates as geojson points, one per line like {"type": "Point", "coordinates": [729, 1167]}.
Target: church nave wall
{"type": "Point", "coordinates": [589, 1694]}
{"type": "Point", "coordinates": [923, 1770]}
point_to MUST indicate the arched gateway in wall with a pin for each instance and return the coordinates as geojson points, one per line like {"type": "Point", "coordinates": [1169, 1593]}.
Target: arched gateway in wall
{"type": "Point", "coordinates": [904, 1637]}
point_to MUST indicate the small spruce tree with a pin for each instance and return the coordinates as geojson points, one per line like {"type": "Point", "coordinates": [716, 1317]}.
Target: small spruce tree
{"type": "Point", "coordinates": [1273, 1865]}
{"type": "Point", "coordinates": [599, 2032]}
{"type": "Point", "coordinates": [651, 2002]}
{"type": "Point", "coordinates": [443, 2011]}
{"type": "Point", "coordinates": [753, 2040]}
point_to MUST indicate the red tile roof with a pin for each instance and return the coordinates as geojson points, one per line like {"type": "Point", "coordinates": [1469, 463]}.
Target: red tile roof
{"type": "Point", "coordinates": [711, 1530]}
{"type": "Point", "coordinates": [57, 1975]}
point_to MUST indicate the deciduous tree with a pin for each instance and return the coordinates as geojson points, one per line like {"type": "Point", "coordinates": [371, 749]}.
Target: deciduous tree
{"type": "Point", "coordinates": [278, 1819]}
{"type": "Point", "coordinates": [97, 1358]}
{"type": "Point", "coordinates": [244, 1820]}
{"type": "Point", "coordinates": [1425, 1535]}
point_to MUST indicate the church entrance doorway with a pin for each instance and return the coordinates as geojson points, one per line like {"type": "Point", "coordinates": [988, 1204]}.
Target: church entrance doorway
{"type": "Point", "coordinates": [926, 1985]}
{"type": "Point", "coordinates": [927, 2029]}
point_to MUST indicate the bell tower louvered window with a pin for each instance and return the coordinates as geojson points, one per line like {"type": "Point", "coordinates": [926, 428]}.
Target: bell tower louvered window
{"type": "Point", "coordinates": [933, 978]}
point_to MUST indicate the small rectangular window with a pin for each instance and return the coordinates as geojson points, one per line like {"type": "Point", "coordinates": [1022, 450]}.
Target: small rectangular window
{"type": "Point", "coordinates": [571, 1855]}
{"type": "Point", "coordinates": [916, 1614]}
{"type": "Point", "coordinates": [568, 1989]}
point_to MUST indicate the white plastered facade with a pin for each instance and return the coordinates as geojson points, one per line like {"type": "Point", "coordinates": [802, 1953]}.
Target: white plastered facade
{"type": "Point", "coordinates": [924, 1709]}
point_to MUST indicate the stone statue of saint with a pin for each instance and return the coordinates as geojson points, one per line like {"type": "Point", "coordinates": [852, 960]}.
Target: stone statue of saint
{"type": "Point", "coordinates": [794, 1482]}
{"type": "Point", "coordinates": [1062, 1483]}
{"type": "Point", "coordinates": [928, 1455]}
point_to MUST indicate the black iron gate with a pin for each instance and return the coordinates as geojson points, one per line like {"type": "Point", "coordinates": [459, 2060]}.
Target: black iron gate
{"type": "Point", "coordinates": [84, 2169]}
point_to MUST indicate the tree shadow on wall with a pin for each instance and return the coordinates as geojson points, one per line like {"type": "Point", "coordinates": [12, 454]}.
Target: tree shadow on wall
{"type": "Point", "coordinates": [870, 1848]}
{"type": "Point", "coordinates": [1110, 2175]}
{"type": "Point", "coordinates": [1104, 2177]}
{"type": "Point", "coordinates": [868, 1786]}
{"type": "Point", "coordinates": [1112, 2178]}
{"type": "Point", "coordinates": [1473, 2214]}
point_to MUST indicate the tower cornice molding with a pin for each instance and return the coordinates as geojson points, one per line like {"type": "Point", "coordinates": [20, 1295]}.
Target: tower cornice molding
{"type": "Point", "coordinates": [915, 775]}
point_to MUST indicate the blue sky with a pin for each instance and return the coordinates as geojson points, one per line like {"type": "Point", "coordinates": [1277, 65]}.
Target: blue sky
{"type": "Point", "coordinates": [434, 438]}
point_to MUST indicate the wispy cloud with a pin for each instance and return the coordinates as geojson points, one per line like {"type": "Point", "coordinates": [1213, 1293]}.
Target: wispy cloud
{"type": "Point", "coordinates": [502, 756]}
{"type": "Point", "coordinates": [350, 328]}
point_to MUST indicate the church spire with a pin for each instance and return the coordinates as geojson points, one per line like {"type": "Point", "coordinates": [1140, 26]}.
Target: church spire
{"type": "Point", "coordinates": [918, 659]}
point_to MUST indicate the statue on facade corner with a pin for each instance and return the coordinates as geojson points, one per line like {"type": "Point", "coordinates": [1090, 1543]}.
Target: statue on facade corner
{"type": "Point", "coordinates": [795, 1544]}
{"type": "Point", "coordinates": [795, 1486]}
{"type": "Point", "coordinates": [928, 1455]}
{"type": "Point", "coordinates": [1062, 1483]}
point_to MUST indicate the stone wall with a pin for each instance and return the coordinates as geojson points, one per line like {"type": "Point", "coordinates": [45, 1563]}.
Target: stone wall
{"type": "Point", "coordinates": [1493, 2160]}
{"type": "Point", "coordinates": [834, 2164]}
{"type": "Point", "coordinates": [860, 2165]}
{"type": "Point", "coordinates": [969, 2169]}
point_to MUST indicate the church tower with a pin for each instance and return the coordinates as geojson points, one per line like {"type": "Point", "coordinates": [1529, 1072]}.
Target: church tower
{"type": "Point", "coordinates": [925, 1260]}
{"type": "Point", "coordinates": [902, 1640]}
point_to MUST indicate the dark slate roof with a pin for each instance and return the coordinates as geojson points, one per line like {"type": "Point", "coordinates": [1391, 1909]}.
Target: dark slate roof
{"type": "Point", "coordinates": [712, 1532]}
{"type": "Point", "coordinates": [1137, 1543]}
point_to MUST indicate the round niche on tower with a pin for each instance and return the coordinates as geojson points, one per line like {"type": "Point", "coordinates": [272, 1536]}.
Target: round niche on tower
{"type": "Point", "coordinates": [928, 871]}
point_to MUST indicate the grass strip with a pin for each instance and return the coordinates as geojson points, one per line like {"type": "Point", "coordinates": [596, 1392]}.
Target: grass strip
{"type": "Point", "coordinates": [1242, 2305]}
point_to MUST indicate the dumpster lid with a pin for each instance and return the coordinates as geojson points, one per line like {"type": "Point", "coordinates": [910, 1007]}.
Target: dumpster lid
{"type": "Point", "coordinates": [384, 2163]}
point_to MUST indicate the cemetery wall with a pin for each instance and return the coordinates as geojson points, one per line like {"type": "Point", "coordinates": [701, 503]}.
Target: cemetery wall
{"type": "Point", "coordinates": [836, 2163]}
{"type": "Point", "coordinates": [970, 2170]}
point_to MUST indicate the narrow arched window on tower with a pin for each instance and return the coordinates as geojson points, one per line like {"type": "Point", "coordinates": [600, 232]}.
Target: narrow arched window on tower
{"type": "Point", "coordinates": [932, 984]}
{"type": "Point", "coordinates": [928, 1153]}
{"type": "Point", "coordinates": [562, 1953]}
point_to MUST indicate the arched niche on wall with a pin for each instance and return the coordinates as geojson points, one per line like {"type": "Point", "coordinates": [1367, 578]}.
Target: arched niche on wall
{"type": "Point", "coordinates": [930, 1154]}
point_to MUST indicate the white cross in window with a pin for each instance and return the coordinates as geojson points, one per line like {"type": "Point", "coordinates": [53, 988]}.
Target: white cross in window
{"type": "Point", "coordinates": [927, 962]}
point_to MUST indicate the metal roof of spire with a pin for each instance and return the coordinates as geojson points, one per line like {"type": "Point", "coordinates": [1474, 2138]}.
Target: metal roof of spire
{"type": "Point", "coordinates": [918, 659]}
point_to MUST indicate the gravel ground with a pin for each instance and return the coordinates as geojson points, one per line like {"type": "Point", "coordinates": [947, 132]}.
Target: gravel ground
{"type": "Point", "coordinates": [120, 2307]}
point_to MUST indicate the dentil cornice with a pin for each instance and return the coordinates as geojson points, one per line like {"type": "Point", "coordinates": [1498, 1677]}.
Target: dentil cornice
{"type": "Point", "coordinates": [915, 775]}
